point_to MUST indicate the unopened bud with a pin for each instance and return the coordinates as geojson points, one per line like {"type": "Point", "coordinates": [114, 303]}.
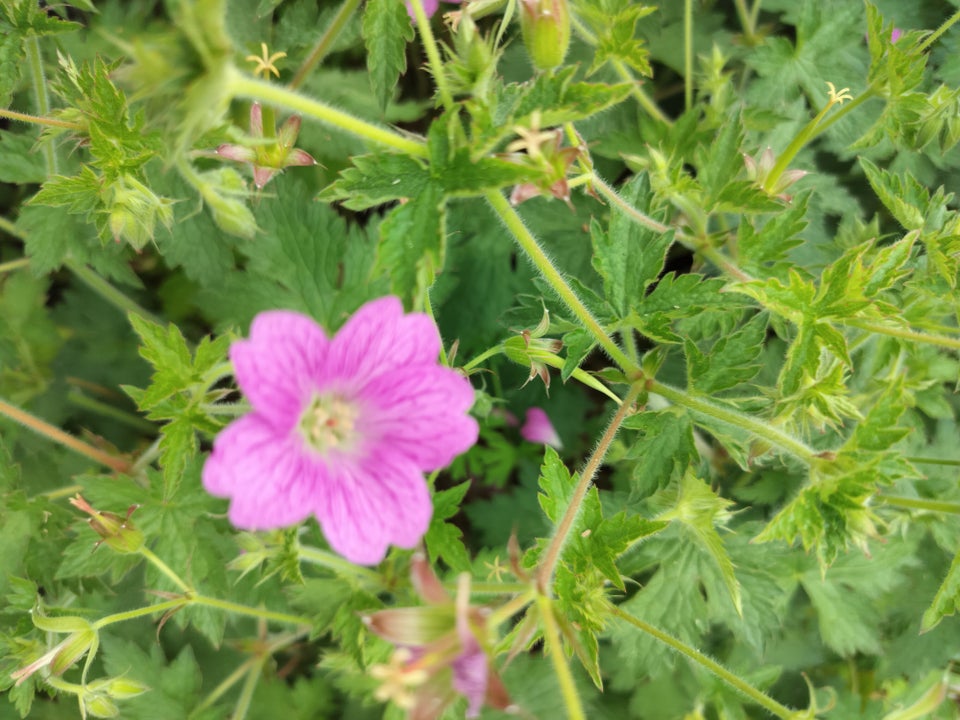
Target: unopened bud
{"type": "Point", "coordinates": [100, 706]}
{"type": "Point", "coordinates": [545, 25]}
{"type": "Point", "coordinates": [72, 649]}
{"type": "Point", "coordinates": [117, 532]}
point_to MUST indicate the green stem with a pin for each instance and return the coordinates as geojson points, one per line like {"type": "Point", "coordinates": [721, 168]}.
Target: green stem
{"type": "Point", "coordinates": [140, 612]}
{"type": "Point", "coordinates": [37, 120]}
{"type": "Point", "coordinates": [806, 134]}
{"type": "Point", "coordinates": [495, 588]}
{"type": "Point", "coordinates": [325, 42]}
{"type": "Point", "coordinates": [510, 608]}
{"type": "Point", "coordinates": [61, 493]}
{"type": "Point", "coordinates": [38, 84]}
{"type": "Point", "coordinates": [14, 265]}
{"type": "Point", "coordinates": [482, 357]}
{"type": "Point", "coordinates": [745, 20]}
{"type": "Point", "coordinates": [551, 638]}
{"type": "Point", "coordinates": [932, 461]}
{"type": "Point", "coordinates": [242, 707]}
{"type": "Point", "coordinates": [107, 410]}
{"type": "Point", "coordinates": [529, 244]}
{"type": "Point", "coordinates": [688, 54]}
{"type": "Point", "coordinates": [905, 334]}
{"type": "Point", "coordinates": [238, 609]}
{"type": "Point", "coordinates": [433, 54]}
{"type": "Point", "coordinates": [254, 89]}
{"type": "Point", "coordinates": [160, 565]}
{"type": "Point", "coordinates": [760, 698]}
{"type": "Point", "coordinates": [759, 428]}
{"type": "Point", "coordinates": [935, 35]}
{"type": "Point", "coordinates": [551, 555]}
{"type": "Point", "coordinates": [940, 506]}
{"type": "Point", "coordinates": [225, 685]}
{"type": "Point", "coordinates": [268, 117]}
{"type": "Point", "coordinates": [428, 308]}
{"type": "Point", "coordinates": [63, 438]}
{"type": "Point", "coordinates": [845, 110]}
{"type": "Point", "coordinates": [315, 556]}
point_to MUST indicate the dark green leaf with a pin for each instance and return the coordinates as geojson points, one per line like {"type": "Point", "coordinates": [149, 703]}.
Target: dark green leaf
{"type": "Point", "coordinates": [386, 32]}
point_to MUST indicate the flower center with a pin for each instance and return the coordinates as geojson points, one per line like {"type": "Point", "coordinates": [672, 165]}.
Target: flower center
{"type": "Point", "coordinates": [328, 423]}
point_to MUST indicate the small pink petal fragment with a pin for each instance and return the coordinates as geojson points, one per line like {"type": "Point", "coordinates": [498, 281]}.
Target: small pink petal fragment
{"type": "Point", "coordinates": [539, 429]}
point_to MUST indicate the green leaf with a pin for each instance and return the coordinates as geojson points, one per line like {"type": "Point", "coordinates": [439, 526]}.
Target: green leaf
{"type": "Point", "coordinates": [18, 163]}
{"type": "Point", "coordinates": [947, 600]}
{"type": "Point", "coordinates": [700, 510]}
{"type": "Point", "coordinates": [378, 178]}
{"type": "Point", "coordinates": [443, 539]}
{"type": "Point", "coordinates": [663, 449]}
{"type": "Point", "coordinates": [11, 56]}
{"type": "Point", "coordinates": [412, 244]}
{"type": "Point", "coordinates": [676, 297]}
{"type": "Point", "coordinates": [553, 97]}
{"type": "Point", "coordinates": [733, 359]}
{"type": "Point", "coordinates": [556, 485]}
{"type": "Point", "coordinates": [630, 256]}
{"type": "Point", "coordinates": [386, 32]}
{"type": "Point", "coordinates": [80, 194]}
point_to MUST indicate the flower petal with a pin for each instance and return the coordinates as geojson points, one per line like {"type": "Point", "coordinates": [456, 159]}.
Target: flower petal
{"type": "Point", "coordinates": [368, 506]}
{"type": "Point", "coordinates": [539, 429]}
{"type": "Point", "coordinates": [268, 477]}
{"type": "Point", "coordinates": [379, 338]}
{"type": "Point", "coordinates": [421, 412]}
{"type": "Point", "coordinates": [280, 365]}
{"type": "Point", "coordinates": [470, 672]}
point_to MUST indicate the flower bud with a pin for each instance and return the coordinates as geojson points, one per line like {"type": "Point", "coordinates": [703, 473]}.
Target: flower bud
{"type": "Point", "coordinates": [100, 706]}
{"type": "Point", "coordinates": [72, 649]}
{"type": "Point", "coordinates": [117, 532]}
{"type": "Point", "coordinates": [545, 25]}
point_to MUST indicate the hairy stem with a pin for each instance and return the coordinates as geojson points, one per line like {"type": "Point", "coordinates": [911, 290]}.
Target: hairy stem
{"type": "Point", "coordinates": [165, 569]}
{"type": "Point", "coordinates": [242, 707]}
{"type": "Point", "coordinates": [551, 637]}
{"type": "Point", "coordinates": [140, 612]}
{"type": "Point", "coordinates": [433, 54]}
{"type": "Point", "coordinates": [109, 293]}
{"type": "Point", "coordinates": [734, 681]}
{"type": "Point", "coordinates": [14, 265]}
{"type": "Point", "coordinates": [688, 54]}
{"type": "Point", "coordinates": [238, 609]}
{"type": "Point", "coordinates": [905, 334]}
{"type": "Point", "coordinates": [935, 35]}
{"type": "Point", "coordinates": [320, 50]}
{"type": "Point", "coordinates": [940, 506]}
{"type": "Point", "coordinates": [315, 556]}
{"type": "Point", "coordinates": [529, 244]}
{"type": "Point", "coordinates": [37, 120]}
{"type": "Point", "coordinates": [254, 89]}
{"type": "Point", "coordinates": [758, 428]}
{"type": "Point", "coordinates": [38, 83]}
{"type": "Point", "coordinates": [551, 555]}
{"type": "Point", "coordinates": [63, 438]}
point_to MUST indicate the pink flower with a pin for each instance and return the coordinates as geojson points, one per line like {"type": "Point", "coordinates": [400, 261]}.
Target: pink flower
{"type": "Point", "coordinates": [429, 7]}
{"type": "Point", "coordinates": [539, 429]}
{"type": "Point", "coordinates": [341, 428]}
{"type": "Point", "coordinates": [439, 650]}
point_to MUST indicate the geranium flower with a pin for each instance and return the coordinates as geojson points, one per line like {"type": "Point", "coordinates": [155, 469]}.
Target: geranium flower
{"type": "Point", "coordinates": [341, 428]}
{"type": "Point", "coordinates": [538, 429]}
{"type": "Point", "coordinates": [438, 651]}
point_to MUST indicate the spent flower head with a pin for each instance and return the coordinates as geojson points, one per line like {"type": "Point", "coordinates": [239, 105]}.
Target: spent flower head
{"type": "Point", "coordinates": [265, 157]}
{"type": "Point", "coordinates": [342, 428]}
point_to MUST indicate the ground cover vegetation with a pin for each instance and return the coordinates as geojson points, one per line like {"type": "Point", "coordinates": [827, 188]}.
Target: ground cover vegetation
{"type": "Point", "coordinates": [530, 358]}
